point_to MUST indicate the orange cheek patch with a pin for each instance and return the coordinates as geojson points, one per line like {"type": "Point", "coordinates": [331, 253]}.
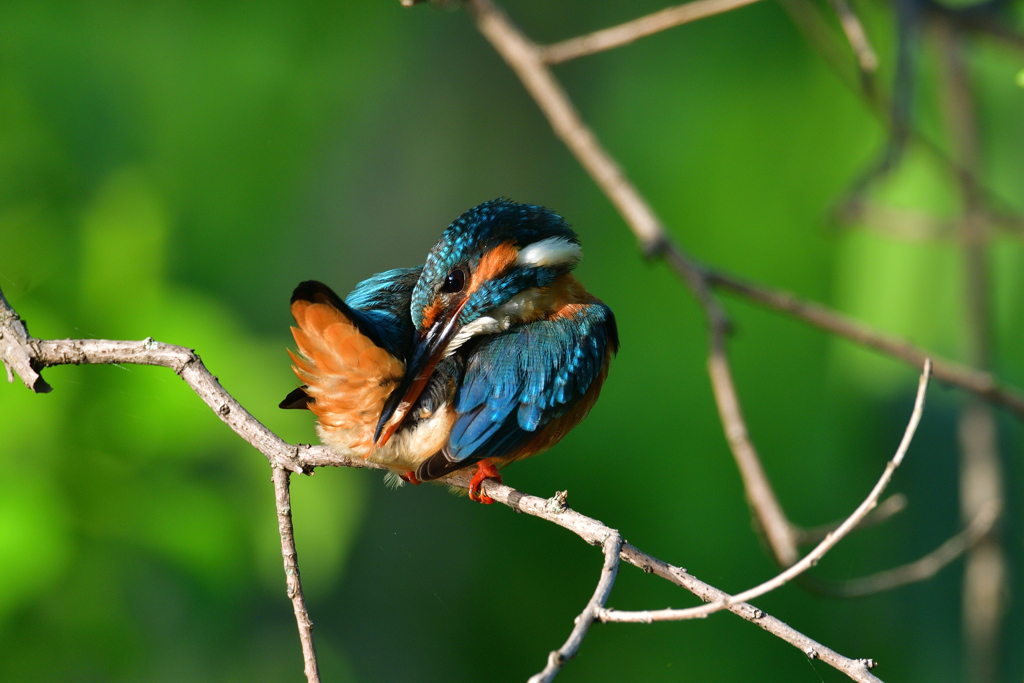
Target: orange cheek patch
{"type": "Point", "coordinates": [492, 264]}
{"type": "Point", "coordinates": [431, 312]}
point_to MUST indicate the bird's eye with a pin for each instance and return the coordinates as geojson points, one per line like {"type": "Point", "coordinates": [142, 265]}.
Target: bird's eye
{"type": "Point", "coordinates": [455, 281]}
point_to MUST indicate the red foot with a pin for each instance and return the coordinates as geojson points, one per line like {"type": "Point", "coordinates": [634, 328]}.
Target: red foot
{"type": "Point", "coordinates": [484, 470]}
{"type": "Point", "coordinates": [410, 477]}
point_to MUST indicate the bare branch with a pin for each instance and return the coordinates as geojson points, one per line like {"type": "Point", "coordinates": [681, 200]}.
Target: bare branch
{"type": "Point", "coordinates": [812, 557]}
{"type": "Point", "coordinates": [903, 224]}
{"type": "Point", "coordinates": [524, 58]}
{"type": "Point", "coordinates": [981, 383]}
{"type": "Point", "coordinates": [624, 34]}
{"type": "Point", "coordinates": [921, 569]}
{"type": "Point", "coordinates": [282, 496]}
{"type": "Point", "coordinates": [856, 36]}
{"type": "Point", "coordinates": [612, 546]}
{"type": "Point", "coordinates": [810, 21]}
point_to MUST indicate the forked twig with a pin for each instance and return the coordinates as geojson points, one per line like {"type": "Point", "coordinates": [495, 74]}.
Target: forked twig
{"type": "Point", "coordinates": [612, 547]}
{"type": "Point", "coordinates": [595, 532]}
{"type": "Point", "coordinates": [626, 33]}
{"type": "Point", "coordinates": [524, 58]}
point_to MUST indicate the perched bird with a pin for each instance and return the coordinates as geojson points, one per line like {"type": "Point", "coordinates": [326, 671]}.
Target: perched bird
{"type": "Point", "coordinates": [490, 352]}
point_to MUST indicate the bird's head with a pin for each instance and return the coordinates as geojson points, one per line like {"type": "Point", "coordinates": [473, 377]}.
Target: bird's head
{"type": "Point", "coordinates": [480, 278]}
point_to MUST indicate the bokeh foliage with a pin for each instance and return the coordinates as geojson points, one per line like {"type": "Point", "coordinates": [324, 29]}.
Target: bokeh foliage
{"type": "Point", "coordinates": [173, 169]}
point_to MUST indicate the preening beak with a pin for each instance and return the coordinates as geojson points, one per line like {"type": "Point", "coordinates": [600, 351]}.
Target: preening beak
{"type": "Point", "coordinates": [427, 351]}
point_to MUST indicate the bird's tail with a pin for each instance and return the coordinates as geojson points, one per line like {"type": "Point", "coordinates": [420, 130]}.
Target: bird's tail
{"type": "Point", "coordinates": [347, 375]}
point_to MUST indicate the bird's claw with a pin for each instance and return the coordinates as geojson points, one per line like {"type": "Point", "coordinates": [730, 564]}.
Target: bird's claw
{"type": "Point", "coordinates": [484, 470]}
{"type": "Point", "coordinates": [410, 477]}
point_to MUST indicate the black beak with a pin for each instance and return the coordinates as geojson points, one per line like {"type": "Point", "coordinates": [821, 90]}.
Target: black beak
{"type": "Point", "coordinates": [427, 351]}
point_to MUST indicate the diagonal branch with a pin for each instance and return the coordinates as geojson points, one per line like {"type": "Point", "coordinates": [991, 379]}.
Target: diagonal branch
{"type": "Point", "coordinates": [612, 547]}
{"type": "Point", "coordinates": [283, 498]}
{"type": "Point", "coordinates": [812, 557]}
{"type": "Point", "coordinates": [301, 458]}
{"type": "Point", "coordinates": [626, 33]}
{"type": "Point", "coordinates": [867, 60]}
{"type": "Point", "coordinates": [527, 60]}
{"type": "Point", "coordinates": [983, 384]}
{"type": "Point", "coordinates": [780, 534]}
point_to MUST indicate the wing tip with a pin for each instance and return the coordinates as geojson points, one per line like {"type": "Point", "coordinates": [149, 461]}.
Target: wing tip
{"type": "Point", "coordinates": [298, 399]}
{"type": "Point", "coordinates": [315, 292]}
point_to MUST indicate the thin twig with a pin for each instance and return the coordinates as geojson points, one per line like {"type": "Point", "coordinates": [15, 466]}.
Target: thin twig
{"type": "Point", "coordinates": [810, 21]}
{"type": "Point", "coordinates": [626, 33]}
{"type": "Point", "coordinates": [612, 547]}
{"type": "Point", "coordinates": [282, 496]}
{"type": "Point", "coordinates": [812, 557]}
{"type": "Point", "coordinates": [888, 508]}
{"type": "Point", "coordinates": [856, 36]}
{"type": "Point", "coordinates": [921, 569]}
{"type": "Point", "coordinates": [977, 382]}
{"type": "Point", "coordinates": [304, 457]}
{"type": "Point", "coordinates": [778, 532]}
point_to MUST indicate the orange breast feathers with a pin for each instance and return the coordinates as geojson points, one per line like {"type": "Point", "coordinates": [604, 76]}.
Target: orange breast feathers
{"type": "Point", "coordinates": [347, 375]}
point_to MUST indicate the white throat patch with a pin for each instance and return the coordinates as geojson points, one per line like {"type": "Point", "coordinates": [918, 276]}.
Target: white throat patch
{"type": "Point", "coordinates": [554, 251]}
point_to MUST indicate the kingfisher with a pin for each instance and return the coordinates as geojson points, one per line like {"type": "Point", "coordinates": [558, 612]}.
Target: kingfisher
{"type": "Point", "coordinates": [488, 353]}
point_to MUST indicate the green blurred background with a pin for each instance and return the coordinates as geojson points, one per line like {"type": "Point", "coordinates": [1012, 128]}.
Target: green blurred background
{"type": "Point", "coordinates": [173, 169]}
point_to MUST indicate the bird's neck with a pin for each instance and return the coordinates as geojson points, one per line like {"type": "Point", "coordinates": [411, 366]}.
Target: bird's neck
{"type": "Point", "coordinates": [558, 300]}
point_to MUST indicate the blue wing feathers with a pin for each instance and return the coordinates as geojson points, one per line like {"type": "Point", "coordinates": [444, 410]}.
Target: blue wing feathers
{"type": "Point", "coordinates": [517, 382]}
{"type": "Point", "coordinates": [381, 303]}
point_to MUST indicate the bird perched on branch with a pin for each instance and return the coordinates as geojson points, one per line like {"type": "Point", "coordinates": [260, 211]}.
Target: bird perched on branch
{"type": "Point", "coordinates": [490, 352]}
